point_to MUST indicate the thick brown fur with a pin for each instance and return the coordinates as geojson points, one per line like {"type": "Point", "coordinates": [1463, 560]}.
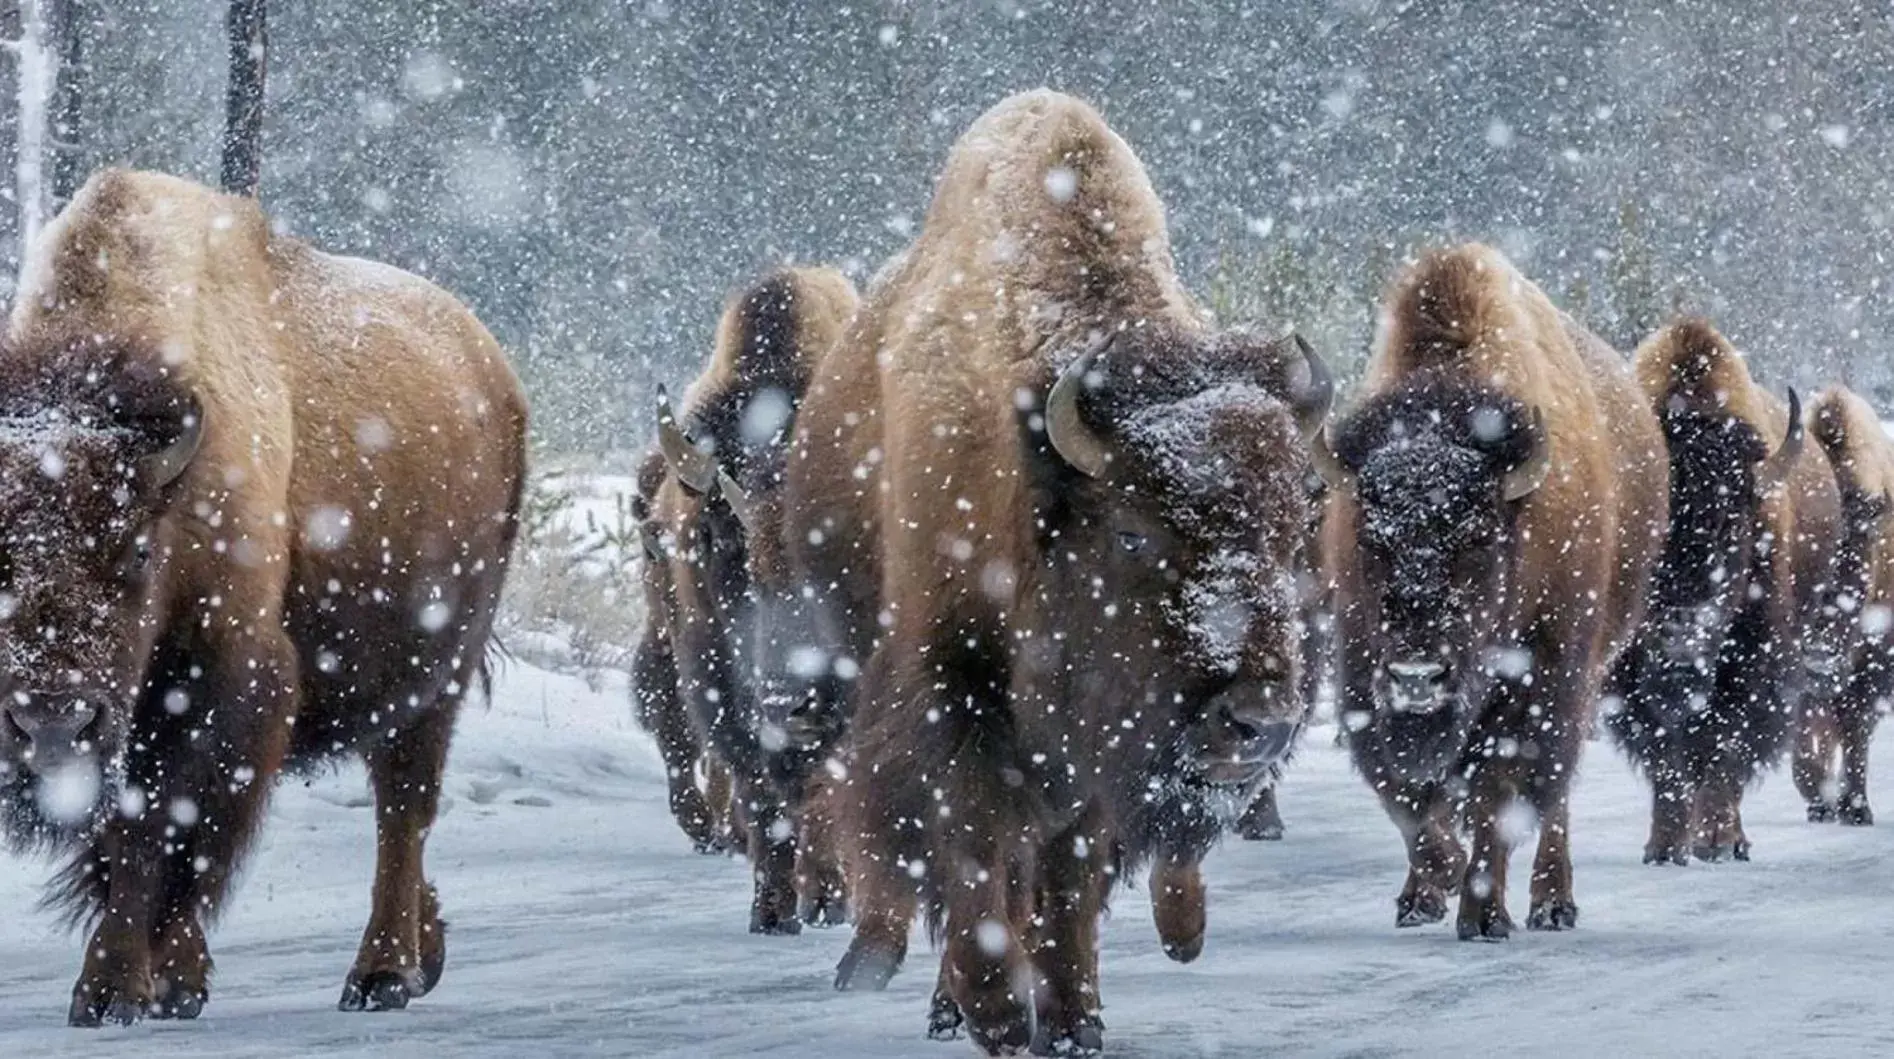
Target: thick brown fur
{"type": "Point", "coordinates": [732, 614]}
{"type": "Point", "coordinates": [1853, 681]}
{"type": "Point", "coordinates": [1737, 606]}
{"type": "Point", "coordinates": [1549, 585]}
{"type": "Point", "coordinates": [1002, 767]}
{"type": "Point", "coordinates": [322, 579]}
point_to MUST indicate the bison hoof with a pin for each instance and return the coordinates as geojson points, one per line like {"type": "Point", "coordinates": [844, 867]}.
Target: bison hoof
{"type": "Point", "coordinates": [179, 1001]}
{"type": "Point", "coordinates": [830, 910]}
{"type": "Point", "coordinates": [1677, 855]}
{"type": "Point", "coordinates": [1006, 1037]}
{"type": "Point", "coordinates": [720, 845]}
{"type": "Point", "coordinates": [1553, 915]}
{"type": "Point", "coordinates": [1184, 951]}
{"type": "Point", "coordinates": [1855, 814]}
{"type": "Point", "coordinates": [376, 991]}
{"type": "Point", "coordinates": [90, 1008]}
{"type": "Point", "coordinates": [865, 967]}
{"type": "Point", "coordinates": [944, 1019]}
{"type": "Point", "coordinates": [1419, 909]}
{"type": "Point", "coordinates": [1086, 1038]}
{"type": "Point", "coordinates": [1821, 813]}
{"type": "Point", "coordinates": [1485, 924]}
{"type": "Point", "coordinates": [775, 924]}
{"type": "Point", "coordinates": [1269, 831]}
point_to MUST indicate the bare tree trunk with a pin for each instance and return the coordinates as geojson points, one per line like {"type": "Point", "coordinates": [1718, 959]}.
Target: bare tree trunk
{"type": "Point", "coordinates": [243, 102]}
{"type": "Point", "coordinates": [37, 70]}
{"type": "Point", "coordinates": [68, 99]}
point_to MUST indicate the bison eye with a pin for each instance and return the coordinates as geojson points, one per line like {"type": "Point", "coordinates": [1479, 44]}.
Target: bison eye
{"type": "Point", "coordinates": [1132, 543]}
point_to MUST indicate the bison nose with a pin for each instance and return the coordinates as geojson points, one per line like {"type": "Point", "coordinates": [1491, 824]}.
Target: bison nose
{"type": "Point", "coordinates": [1418, 686]}
{"type": "Point", "coordinates": [52, 735]}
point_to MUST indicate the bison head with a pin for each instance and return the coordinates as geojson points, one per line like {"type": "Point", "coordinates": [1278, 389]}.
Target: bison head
{"type": "Point", "coordinates": [1714, 561]}
{"type": "Point", "coordinates": [1169, 504]}
{"type": "Point", "coordinates": [1437, 472]}
{"type": "Point", "coordinates": [85, 488]}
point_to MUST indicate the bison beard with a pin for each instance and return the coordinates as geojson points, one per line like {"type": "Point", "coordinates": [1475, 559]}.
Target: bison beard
{"type": "Point", "coordinates": [1490, 544]}
{"type": "Point", "coordinates": [218, 616]}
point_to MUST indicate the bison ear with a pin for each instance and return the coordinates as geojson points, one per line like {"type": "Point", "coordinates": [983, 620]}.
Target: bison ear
{"type": "Point", "coordinates": [158, 471]}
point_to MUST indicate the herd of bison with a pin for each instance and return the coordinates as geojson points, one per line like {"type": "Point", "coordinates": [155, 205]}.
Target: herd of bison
{"type": "Point", "coordinates": [967, 595]}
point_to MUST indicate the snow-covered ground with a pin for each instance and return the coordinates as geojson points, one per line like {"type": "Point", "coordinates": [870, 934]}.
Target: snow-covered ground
{"type": "Point", "coordinates": [583, 925]}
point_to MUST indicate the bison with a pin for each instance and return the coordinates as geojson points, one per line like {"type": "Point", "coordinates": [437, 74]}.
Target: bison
{"type": "Point", "coordinates": [256, 504]}
{"type": "Point", "coordinates": [1088, 516]}
{"type": "Point", "coordinates": [1497, 511]}
{"type": "Point", "coordinates": [703, 814]}
{"type": "Point", "coordinates": [1853, 675]}
{"type": "Point", "coordinates": [1703, 698]}
{"type": "Point", "coordinates": [734, 633]}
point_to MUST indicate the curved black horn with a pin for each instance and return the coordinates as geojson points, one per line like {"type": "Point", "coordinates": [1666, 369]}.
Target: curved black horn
{"type": "Point", "coordinates": [1327, 464]}
{"type": "Point", "coordinates": [692, 465]}
{"type": "Point", "coordinates": [1065, 428]}
{"type": "Point", "coordinates": [168, 464]}
{"type": "Point", "coordinates": [739, 501]}
{"type": "Point", "coordinates": [1310, 401]}
{"type": "Point", "coordinates": [1781, 462]}
{"type": "Point", "coordinates": [1531, 473]}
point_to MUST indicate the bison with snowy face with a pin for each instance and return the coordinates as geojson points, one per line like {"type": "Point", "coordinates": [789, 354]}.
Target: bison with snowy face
{"type": "Point", "coordinates": [1853, 679]}
{"type": "Point", "coordinates": [1704, 698]}
{"type": "Point", "coordinates": [734, 623]}
{"type": "Point", "coordinates": [256, 504]}
{"type": "Point", "coordinates": [1090, 511]}
{"type": "Point", "coordinates": [1498, 507]}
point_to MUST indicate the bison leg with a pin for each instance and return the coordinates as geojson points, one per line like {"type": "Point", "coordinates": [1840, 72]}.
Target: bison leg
{"type": "Point", "coordinates": [772, 851]}
{"type": "Point", "coordinates": [1718, 826]}
{"type": "Point", "coordinates": [404, 945]}
{"type": "Point", "coordinates": [661, 713]}
{"type": "Point", "coordinates": [1435, 861]}
{"type": "Point", "coordinates": [988, 973]}
{"type": "Point", "coordinates": [116, 983]}
{"type": "Point", "coordinates": [884, 910]}
{"type": "Point", "coordinates": [181, 965]}
{"type": "Point", "coordinates": [1672, 802]}
{"type": "Point", "coordinates": [727, 827]}
{"type": "Point", "coordinates": [1553, 905]}
{"type": "Point", "coordinates": [1483, 915]}
{"type": "Point", "coordinates": [1065, 945]}
{"type": "Point", "coordinates": [1262, 821]}
{"type": "Point", "coordinates": [1177, 905]}
{"type": "Point", "coordinates": [944, 1021]}
{"type": "Point", "coordinates": [1815, 741]}
{"type": "Point", "coordinates": [821, 887]}
{"type": "Point", "coordinates": [1857, 732]}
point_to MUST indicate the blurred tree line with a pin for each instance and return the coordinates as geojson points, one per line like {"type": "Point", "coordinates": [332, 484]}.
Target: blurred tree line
{"type": "Point", "coordinates": [594, 175]}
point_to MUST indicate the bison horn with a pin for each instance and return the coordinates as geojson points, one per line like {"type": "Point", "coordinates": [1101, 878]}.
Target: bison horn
{"type": "Point", "coordinates": [1523, 480]}
{"type": "Point", "coordinates": [1327, 464]}
{"type": "Point", "coordinates": [1310, 401]}
{"type": "Point", "coordinates": [1065, 428]}
{"type": "Point", "coordinates": [692, 465]}
{"type": "Point", "coordinates": [1782, 461]}
{"type": "Point", "coordinates": [739, 501]}
{"type": "Point", "coordinates": [653, 546]}
{"type": "Point", "coordinates": [168, 464]}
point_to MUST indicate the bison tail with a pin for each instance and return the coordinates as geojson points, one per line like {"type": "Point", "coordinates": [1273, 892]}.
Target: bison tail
{"type": "Point", "coordinates": [79, 890]}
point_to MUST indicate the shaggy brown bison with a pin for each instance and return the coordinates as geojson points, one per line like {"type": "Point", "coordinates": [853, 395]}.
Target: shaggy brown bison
{"type": "Point", "coordinates": [735, 626]}
{"type": "Point", "coordinates": [256, 512]}
{"type": "Point", "coordinates": [1853, 677]}
{"type": "Point", "coordinates": [1499, 504]}
{"type": "Point", "coordinates": [1089, 514]}
{"type": "Point", "coordinates": [1703, 698]}
{"type": "Point", "coordinates": [702, 813]}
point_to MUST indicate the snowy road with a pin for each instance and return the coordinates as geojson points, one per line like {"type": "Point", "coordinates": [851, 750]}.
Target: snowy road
{"type": "Point", "coordinates": [583, 925]}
